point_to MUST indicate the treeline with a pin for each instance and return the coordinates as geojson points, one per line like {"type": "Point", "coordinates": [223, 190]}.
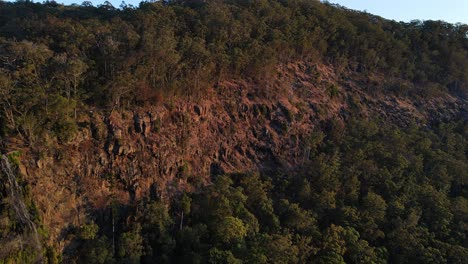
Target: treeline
{"type": "Point", "coordinates": [372, 194]}
{"type": "Point", "coordinates": [56, 60]}
{"type": "Point", "coordinates": [367, 193]}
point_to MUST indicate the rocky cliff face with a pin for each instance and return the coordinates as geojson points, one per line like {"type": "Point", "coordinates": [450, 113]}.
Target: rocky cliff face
{"type": "Point", "coordinates": [237, 126]}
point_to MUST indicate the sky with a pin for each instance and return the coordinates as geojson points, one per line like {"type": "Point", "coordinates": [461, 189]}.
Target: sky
{"type": "Point", "coordinates": [452, 11]}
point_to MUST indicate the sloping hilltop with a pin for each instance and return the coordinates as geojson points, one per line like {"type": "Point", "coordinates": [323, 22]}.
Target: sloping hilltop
{"type": "Point", "coordinates": [230, 132]}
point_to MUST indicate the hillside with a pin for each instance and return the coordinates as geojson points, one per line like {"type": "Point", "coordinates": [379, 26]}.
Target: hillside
{"type": "Point", "coordinates": [230, 132]}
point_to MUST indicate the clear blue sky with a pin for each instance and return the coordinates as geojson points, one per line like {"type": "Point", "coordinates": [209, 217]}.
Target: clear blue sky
{"type": "Point", "coordinates": [452, 11]}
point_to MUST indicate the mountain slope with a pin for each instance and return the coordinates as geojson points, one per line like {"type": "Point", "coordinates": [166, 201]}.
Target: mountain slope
{"type": "Point", "coordinates": [227, 131]}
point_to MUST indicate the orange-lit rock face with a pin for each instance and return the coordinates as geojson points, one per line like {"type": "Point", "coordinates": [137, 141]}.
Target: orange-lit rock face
{"type": "Point", "coordinates": [237, 126]}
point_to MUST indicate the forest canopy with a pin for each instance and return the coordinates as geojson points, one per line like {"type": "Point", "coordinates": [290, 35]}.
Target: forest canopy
{"type": "Point", "coordinates": [54, 55]}
{"type": "Point", "coordinates": [379, 194]}
{"type": "Point", "coordinates": [368, 191]}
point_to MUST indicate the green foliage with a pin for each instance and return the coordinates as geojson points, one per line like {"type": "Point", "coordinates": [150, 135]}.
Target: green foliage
{"type": "Point", "coordinates": [366, 192]}
{"type": "Point", "coordinates": [97, 251]}
{"type": "Point", "coordinates": [230, 229]}
{"type": "Point", "coordinates": [380, 194]}
{"type": "Point", "coordinates": [130, 247]}
{"type": "Point", "coordinates": [216, 256]}
{"type": "Point", "coordinates": [64, 126]}
{"type": "Point", "coordinates": [21, 233]}
{"type": "Point", "coordinates": [14, 157]}
{"type": "Point", "coordinates": [88, 231]}
{"type": "Point", "coordinates": [52, 256]}
{"type": "Point", "coordinates": [185, 203]}
{"type": "Point", "coordinates": [363, 199]}
{"type": "Point", "coordinates": [177, 47]}
{"type": "Point", "coordinates": [332, 91]}
{"type": "Point", "coordinates": [26, 255]}
{"type": "Point", "coordinates": [184, 170]}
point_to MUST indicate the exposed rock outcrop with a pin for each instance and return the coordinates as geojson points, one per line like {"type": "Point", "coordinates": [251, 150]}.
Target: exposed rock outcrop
{"type": "Point", "coordinates": [238, 126]}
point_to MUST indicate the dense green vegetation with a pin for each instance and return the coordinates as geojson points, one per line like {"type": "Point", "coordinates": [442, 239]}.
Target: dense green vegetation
{"type": "Point", "coordinates": [55, 60]}
{"type": "Point", "coordinates": [368, 192]}
{"type": "Point", "coordinates": [375, 194]}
